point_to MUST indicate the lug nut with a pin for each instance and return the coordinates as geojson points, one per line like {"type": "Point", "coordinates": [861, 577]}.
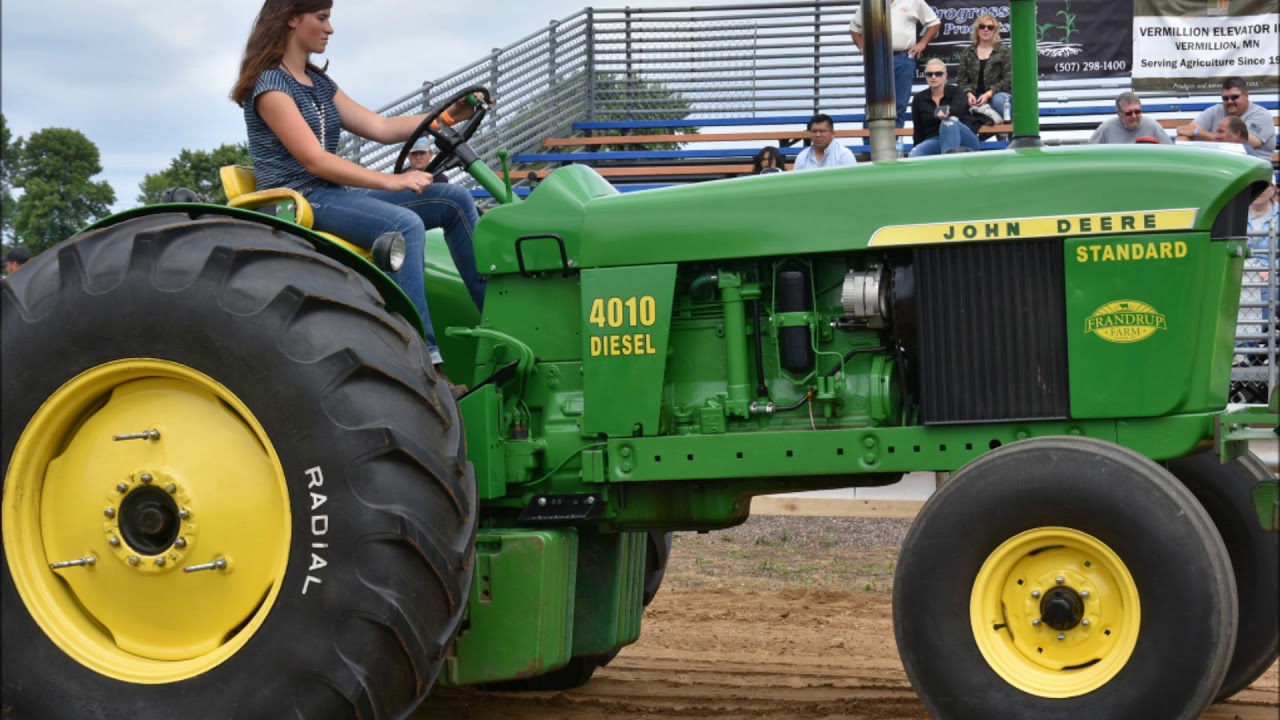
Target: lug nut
{"type": "Point", "coordinates": [113, 541]}
{"type": "Point", "coordinates": [1035, 593]}
{"type": "Point", "coordinates": [1084, 593]}
{"type": "Point", "coordinates": [171, 488]}
{"type": "Point", "coordinates": [146, 478]}
{"type": "Point", "coordinates": [1035, 623]}
{"type": "Point", "coordinates": [1085, 622]}
{"type": "Point", "coordinates": [184, 513]}
{"type": "Point", "coordinates": [180, 543]}
{"type": "Point", "coordinates": [121, 488]}
{"type": "Point", "coordinates": [159, 562]}
{"type": "Point", "coordinates": [109, 512]}
{"type": "Point", "coordinates": [1062, 636]}
{"type": "Point", "coordinates": [1059, 579]}
{"type": "Point", "coordinates": [134, 559]}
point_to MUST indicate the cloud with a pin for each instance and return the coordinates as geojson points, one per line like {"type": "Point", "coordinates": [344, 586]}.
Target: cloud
{"type": "Point", "coordinates": [144, 79]}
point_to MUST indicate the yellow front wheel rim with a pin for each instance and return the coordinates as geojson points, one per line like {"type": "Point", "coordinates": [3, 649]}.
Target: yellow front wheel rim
{"type": "Point", "coordinates": [1055, 612]}
{"type": "Point", "coordinates": [129, 480]}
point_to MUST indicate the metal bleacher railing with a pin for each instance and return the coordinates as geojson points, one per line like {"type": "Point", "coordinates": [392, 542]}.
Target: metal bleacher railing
{"type": "Point", "coordinates": [754, 62]}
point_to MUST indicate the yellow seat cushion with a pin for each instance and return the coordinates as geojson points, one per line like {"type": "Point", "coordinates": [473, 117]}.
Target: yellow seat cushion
{"type": "Point", "coordinates": [242, 191]}
{"type": "Point", "coordinates": [241, 186]}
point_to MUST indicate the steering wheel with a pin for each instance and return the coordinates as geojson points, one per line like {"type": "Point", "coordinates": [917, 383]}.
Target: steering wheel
{"type": "Point", "coordinates": [451, 140]}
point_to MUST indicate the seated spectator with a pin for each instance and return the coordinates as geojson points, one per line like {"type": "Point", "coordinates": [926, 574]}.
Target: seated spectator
{"type": "Point", "coordinates": [1129, 125]}
{"type": "Point", "coordinates": [936, 129]}
{"type": "Point", "coordinates": [768, 160]}
{"type": "Point", "coordinates": [420, 156]}
{"type": "Point", "coordinates": [986, 72]}
{"type": "Point", "coordinates": [1235, 103]}
{"type": "Point", "coordinates": [16, 258]}
{"type": "Point", "coordinates": [1233, 130]}
{"type": "Point", "coordinates": [823, 153]}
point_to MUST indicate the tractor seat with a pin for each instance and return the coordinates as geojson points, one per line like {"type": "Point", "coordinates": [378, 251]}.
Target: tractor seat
{"type": "Point", "coordinates": [241, 186]}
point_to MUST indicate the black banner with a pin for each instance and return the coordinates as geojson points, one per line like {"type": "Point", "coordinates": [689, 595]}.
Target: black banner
{"type": "Point", "coordinates": [1080, 39]}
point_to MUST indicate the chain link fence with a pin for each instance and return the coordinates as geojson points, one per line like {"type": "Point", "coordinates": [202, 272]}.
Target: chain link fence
{"type": "Point", "coordinates": [1254, 371]}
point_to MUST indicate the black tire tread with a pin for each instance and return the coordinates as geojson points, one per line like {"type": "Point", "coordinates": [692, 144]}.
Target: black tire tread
{"type": "Point", "coordinates": [418, 507]}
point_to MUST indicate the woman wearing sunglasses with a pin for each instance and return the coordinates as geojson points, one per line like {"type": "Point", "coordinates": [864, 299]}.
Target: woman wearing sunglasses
{"type": "Point", "coordinates": [986, 71]}
{"type": "Point", "coordinates": [936, 129]}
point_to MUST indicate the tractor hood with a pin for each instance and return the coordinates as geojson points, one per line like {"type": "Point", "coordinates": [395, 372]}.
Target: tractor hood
{"type": "Point", "coordinates": [1037, 192]}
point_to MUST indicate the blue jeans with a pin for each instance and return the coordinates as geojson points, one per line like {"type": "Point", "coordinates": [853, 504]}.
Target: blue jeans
{"type": "Point", "coordinates": [359, 216]}
{"type": "Point", "coordinates": [951, 134]}
{"type": "Point", "coordinates": [904, 73]}
{"type": "Point", "coordinates": [1000, 101]}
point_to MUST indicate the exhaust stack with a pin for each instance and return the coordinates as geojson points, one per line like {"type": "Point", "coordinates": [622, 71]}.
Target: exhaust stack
{"type": "Point", "coordinates": [1026, 71]}
{"type": "Point", "coordinates": [877, 73]}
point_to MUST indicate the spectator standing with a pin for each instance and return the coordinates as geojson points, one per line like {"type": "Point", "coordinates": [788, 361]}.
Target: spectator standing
{"type": "Point", "coordinates": [936, 130]}
{"type": "Point", "coordinates": [768, 160]}
{"type": "Point", "coordinates": [986, 71]}
{"type": "Point", "coordinates": [1235, 103]}
{"type": "Point", "coordinates": [1128, 125]}
{"type": "Point", "coordinates": [16, 258]}
{"type": "Point", "coordinates": [906, 17]}
{"type": "Point", "coordinates": [823, 153]}
{"type": "Point", "coordinates": [420, 156]}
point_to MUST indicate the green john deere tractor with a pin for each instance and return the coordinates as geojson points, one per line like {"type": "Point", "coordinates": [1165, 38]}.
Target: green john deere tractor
{"type": "Point", "coordinates": [236, 488]}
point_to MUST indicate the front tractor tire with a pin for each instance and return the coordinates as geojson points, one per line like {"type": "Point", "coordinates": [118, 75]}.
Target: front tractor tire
{"type": "Point", "coordinates": [252, 485]}
{"type": "Point", "coordinates": [1064, 578]}
{"type": "Point", "coordinates": [1225, 492]}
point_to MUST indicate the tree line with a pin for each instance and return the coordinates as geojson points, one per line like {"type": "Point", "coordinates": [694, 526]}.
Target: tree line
{"type": "Point", "coordinates": [54, 169]}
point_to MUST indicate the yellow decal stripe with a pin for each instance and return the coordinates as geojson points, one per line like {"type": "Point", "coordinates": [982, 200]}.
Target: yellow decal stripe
{"type": "Point", "coordinates": [1034, 227]}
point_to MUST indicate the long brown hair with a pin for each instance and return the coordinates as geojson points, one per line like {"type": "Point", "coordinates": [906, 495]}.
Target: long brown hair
{"type": "Point", "coordinates": [265, 48]}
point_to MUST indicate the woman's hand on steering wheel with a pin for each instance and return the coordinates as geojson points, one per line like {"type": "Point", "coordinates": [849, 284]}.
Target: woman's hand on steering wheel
{"type": "Point", "coordinates": [414, 180]}
{"type": "Point", "coordinates": [451, 126]}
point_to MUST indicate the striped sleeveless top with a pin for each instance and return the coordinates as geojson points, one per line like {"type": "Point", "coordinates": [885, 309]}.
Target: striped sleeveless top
{"type": "Point", "coordinates": [273, 164]}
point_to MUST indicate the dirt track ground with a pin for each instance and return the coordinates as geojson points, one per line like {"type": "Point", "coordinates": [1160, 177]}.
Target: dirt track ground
{"type": "Point", "coordinates": [780, 618]}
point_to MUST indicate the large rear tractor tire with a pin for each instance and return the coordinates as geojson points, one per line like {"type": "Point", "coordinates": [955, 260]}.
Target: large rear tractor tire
{"type": "Point", "coordinates": [1064, 578]}
{"type": "Point", "coordinates": [233, 485]}
{"type": "Point", "coordinates": [1224, 491]}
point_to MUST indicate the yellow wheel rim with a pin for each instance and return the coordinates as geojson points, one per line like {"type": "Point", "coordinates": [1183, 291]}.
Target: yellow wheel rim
{"type": "Point", "coordinates": [138, 517]}
{"type": "Point", "coordinates": [1055, 612]}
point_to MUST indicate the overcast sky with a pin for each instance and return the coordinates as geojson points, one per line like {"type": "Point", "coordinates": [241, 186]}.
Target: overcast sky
{"type": "Point", "coordinates": [144, 79]}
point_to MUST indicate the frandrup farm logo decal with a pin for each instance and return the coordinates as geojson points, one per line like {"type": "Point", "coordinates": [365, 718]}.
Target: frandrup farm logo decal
{"type": "Point", "coordinates": [1125, 321]}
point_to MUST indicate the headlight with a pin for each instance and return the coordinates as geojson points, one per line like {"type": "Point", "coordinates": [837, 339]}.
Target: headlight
{"type": "Point", "coordinates": [388, 251]}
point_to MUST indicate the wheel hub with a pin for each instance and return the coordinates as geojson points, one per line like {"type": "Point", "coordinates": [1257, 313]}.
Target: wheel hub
{"type": "Point", "coordinates": [1062, 608]}
{"type": "Point", "coordinates": [149, 520]}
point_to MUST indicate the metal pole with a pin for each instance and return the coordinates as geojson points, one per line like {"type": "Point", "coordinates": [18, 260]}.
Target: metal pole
{"type": "Point", "coordinates": [1026, 90]}
{"type": "Point", "coordinates": [426, 95]}
{"type": "Point", "coordinates": [817, 54]}
{"type": "Point", "coordinates": [493, 88]}
{"type": "Point", "coordinates": [590, 69]}
{"type": "Point", "coordinates": [629, 76]}
{"type": "Point", "coordinates": [877, 69]}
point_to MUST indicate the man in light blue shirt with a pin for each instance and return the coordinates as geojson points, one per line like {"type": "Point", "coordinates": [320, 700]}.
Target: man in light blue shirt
{"type": "Point", "coordinates": [822, 153]}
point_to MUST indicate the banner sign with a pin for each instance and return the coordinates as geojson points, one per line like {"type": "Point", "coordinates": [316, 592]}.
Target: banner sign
{"type": "Point", "coordinates": [1080, 39]}
{"type": "Point", "coordinates": [1193, 45]}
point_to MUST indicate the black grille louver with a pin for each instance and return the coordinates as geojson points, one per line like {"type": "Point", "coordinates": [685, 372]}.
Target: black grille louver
{"type": "Point", "coordinates": [992, 334]}
{"type": "Point", "coordinates": [1233, 220]}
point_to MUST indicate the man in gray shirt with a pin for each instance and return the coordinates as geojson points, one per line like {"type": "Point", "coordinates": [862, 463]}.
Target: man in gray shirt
{"type": "Point", "coordinates": [1128, 125]}
{"type": "Point", "coordinates": [1235, 103]}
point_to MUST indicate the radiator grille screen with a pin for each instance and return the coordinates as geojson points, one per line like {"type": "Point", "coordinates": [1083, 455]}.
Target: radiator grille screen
{"type": "Point", "coordinates": [992, 332]}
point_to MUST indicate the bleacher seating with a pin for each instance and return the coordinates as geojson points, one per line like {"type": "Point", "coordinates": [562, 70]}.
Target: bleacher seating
{"type": "Point", "coordinates": [627, 160]}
